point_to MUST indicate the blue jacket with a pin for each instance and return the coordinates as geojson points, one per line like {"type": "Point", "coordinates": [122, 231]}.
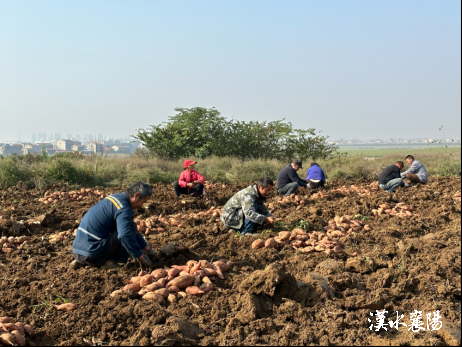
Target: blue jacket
{"type": "Point", "coordinates": [315, 173]}
{"type": "Point", "coordinates": [113, 214]}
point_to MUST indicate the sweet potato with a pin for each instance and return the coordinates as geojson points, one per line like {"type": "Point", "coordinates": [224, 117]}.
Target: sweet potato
{"type": "Point", "coordinates": [132, 287]}
{"type": "Point", "coordinates": [5, 320]}
{"type": "Point", "coordinates": [20, 327]}
{"type": "Point", "coordinates": [163, 292]}
{"type": "Point", "coordinates": [162, 282]}
{"type": "Point", "coordinates": [284, 235]}
{"type": "Point", "coordinates": [197, 281]}
{"type": "Point", "coordinates": [173, 289]}
{"type": "Point", "coordinates": [218, 271]}
{"type": "Point", "coordinates": [206, 287]}
{"type": "Point", "coordinates": [159, 273]}
{"type": "Point", "coordinates": [172, 299]}
{"type": "Point", "coordinates": [181, 268]}
{"type": "Point", "coordinates": [258, 244]}
{"type": "Point", "coordinates": [152, 287]}
{"type": "Point", "coordinates": [134, 280]}
{"type": "Point", "coordinates": [195, 268]}
{"type": "Point", "coordinates": [193, 291]}
{"type": "Point", "coordinates": [182, 295]}
{"type": "Point", "coordinates": [143, 292]}
{"type": "Point", "coordinates": [173, 272]}
{"type": "Point", "coordinates": [337, 249]}
{"type": "Point", "coordinates": [19, 338]}
{"type": "Point", "coordinates": [300, 231]}
{"type": "Point", "coordinates": [208, 272]}
{"type": "Point", "coordinates": [182, 282]}
{"type": "Point", "coordinates": [143, 273]}
{"type": "Point", "coordinates": [205, 264]}
{"type": "Point", "coordinates": [271, 243]}
{"type": "Point", "coordinates": [206, 280]}
{"type": "Point", "coordinates": [7, 339]}
{"type": "Point", "coordinates": [29, 330]}
{"type": "Point", "coordinates": [146, 280]}
{"type": "Point", "coordinates": [9, 326]}
{"type": "Point", "coordinates": [154, 297]}
{"type": "Point", "coordinates": [68, 307]}
{"type": "Point", "coordinates": [184, 273]}
{"type": "Point", "coordinates": [116, 292]}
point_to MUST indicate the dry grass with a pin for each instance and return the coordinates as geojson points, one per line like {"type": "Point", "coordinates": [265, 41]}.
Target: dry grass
{"type": "Point", "coordinates": [93, 171]}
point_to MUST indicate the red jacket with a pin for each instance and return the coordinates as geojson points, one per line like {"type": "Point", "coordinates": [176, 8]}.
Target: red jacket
{"type": "Point", "coordinates": [189, 177]}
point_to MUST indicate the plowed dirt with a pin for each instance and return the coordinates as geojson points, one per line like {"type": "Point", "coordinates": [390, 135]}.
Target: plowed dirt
{"type": "Point", "coordinates": [270, 297]}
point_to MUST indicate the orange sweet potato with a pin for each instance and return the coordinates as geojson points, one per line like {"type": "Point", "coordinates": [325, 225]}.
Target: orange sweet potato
{"type": "Point", "coordinates": [182, 282]}
{"type": "Point", "coordinates": [159, 273]}
{"type": "Point", "coordinates": [206, 287]}
{"type": "Point", "coordinates": [146, 280]}
{"type": "Point", "coordinates": [132, 287]}
{"type": "Point", "coordinates": [173, 272]}
{"type": "Point", "coordinates": [271, 243]}
{"type": "Point", "coordinates": [164, 292]}
{"type": "Point", "coordinates": [193, 291]}
{"type": "Point", "coordinates": [29, 330]}
{"type": "Point", "coordinates": [172, 299]}
{"type": "Point", "coordinates": [154, 297]}
{"type": "Point", "coordinates": [152, 287]}
{"type": "Point", "coordinates": [19, 338]}
{"type": "Point", "coordinates": [5, 320]}
{"type": "Point", "coordinates": [174, 289]}
{"type": "Point", "coordinates": [284, 235]}
{"type": "Point", "coordinates": [67, 307]}
{"type": "Point", "coordinates": [258, 244]}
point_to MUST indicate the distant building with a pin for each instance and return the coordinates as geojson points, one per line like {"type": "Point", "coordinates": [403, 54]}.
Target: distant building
{"type": "Point", "coordinates": [34, 138]}
{"type": "Point", "coordinates": [46, 145]}
{"type": "Point", "coordinates": [65, 145]}
{"type": "Point", "coordinates": [78, 148]}
{"type": "Point", "coordinates": [32, 148]}
{"type": "Point", "coordinates": [97, 148]}
{"type": "Point", "coordinates": [7, 149]}
{"type": "Point", "coordinates": [42, 137]}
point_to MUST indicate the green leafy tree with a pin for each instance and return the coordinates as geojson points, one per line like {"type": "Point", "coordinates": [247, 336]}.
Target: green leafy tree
{"type": "Point", "coordinates": [200, 132]}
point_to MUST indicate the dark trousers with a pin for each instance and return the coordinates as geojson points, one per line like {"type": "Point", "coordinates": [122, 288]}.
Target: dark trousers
{"type": "Point", "coordinates": [414, 178]}
{"type": "Point", "coordinates": [316, 185]}
{"type": "Point", "coordinates": [114, 251]}
{"type": "Point", "coordinates": [196, 191]}
{"type": "Point", "coordinates": [289, 189]}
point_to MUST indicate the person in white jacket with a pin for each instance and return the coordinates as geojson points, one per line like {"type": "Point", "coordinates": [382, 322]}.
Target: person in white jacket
{"type": "Point", "coordinates": [416, 173]}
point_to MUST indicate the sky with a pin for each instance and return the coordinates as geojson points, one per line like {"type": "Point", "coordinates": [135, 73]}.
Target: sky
{"type": "Point", "coordinates": [349, 68]}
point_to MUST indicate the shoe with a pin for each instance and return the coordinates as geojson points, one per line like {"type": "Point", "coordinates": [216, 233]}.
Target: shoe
{"type": "Point", "coordinates": [406, 185]}
{"type": "Point", "coordinates": [75, 265]}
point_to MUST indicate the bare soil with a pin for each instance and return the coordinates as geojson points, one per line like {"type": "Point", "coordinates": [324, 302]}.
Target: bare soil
{"type": "Point", "coordinates": [270, 297]}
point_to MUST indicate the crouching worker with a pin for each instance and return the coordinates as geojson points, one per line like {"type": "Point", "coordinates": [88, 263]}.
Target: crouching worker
{"type": "Point", "coordinates": [108, 236]}
{"type": "Point", "coordinates": [390, 178]}
{"type": "Point", "coordinates": [246, 210]}
{"type": "Point", "coordinates": [289, 181]}
{"type": "Point", "coordinates": [417, 173]}
{"type": "Point", "coordinates": [315, 176]}
{"type": "Point", "coordinates": [191, 182]}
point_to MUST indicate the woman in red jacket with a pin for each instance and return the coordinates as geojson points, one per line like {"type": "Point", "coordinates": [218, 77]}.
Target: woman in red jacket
{"type": "Point", "coordinates": [191, 182]}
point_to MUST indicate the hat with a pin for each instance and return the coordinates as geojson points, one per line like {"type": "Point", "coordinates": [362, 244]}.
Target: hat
{"type": "Point", "coordinates": [298, 162]}
{"type": "Point", "coordinates": [189, 163]}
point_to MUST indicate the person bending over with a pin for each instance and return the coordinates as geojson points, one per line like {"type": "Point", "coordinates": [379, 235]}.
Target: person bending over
{"type": "Point", "coordinates": [246, 210]}
{"type": "Point", "coordinates": [191, 182]}
{"type": "Point", "coordinates": [390, 178]}
{"type": "Point", "coordinates": [315, 176]}
{"type": "Point", "coordinates": [417, 173]}
{"type": "Point", "coordinates": [289, 181]}
{"type": "Point", "coordinates": [108, 236]}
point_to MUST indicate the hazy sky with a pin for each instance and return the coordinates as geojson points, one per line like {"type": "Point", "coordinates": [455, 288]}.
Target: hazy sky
{"type": "Point", "coordinates": [354, 69]}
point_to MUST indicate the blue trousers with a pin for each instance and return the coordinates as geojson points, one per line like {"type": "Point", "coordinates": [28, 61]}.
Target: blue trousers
{"type": "Point", "coordinates": [248, 226]}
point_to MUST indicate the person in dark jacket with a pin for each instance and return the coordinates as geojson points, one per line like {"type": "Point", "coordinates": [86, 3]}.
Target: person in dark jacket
{"type": "Point", "coordinates": [288, 180]}
{"type": "Point", "coordinates": [315, 177]}
{"type": "Point", "coordinates": [108, 236]}
{"type": "Point", "coordinates": [390, 178]}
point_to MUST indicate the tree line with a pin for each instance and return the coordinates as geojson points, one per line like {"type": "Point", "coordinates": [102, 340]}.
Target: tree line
{"type": "Point", "coordinates": [200, 132]}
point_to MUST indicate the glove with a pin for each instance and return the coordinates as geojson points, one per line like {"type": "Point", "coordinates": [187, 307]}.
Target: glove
{"type": "Point", "coordinates": [153, 255]}
{"type": "Point", "coordinates": [145, 261]}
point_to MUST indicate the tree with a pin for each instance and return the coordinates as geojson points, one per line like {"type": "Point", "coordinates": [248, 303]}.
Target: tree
{"type": "Point", "coordinates": [200, 132]}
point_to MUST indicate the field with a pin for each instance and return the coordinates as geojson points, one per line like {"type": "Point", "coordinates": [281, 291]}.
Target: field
{"type": "Point", "coordinates": [275, 296]}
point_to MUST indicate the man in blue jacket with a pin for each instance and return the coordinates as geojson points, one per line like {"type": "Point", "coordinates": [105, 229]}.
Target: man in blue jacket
{"type": "Point", "coordinates": [108, 236]}
{"type": "Point", "coordinates": [315, 176]}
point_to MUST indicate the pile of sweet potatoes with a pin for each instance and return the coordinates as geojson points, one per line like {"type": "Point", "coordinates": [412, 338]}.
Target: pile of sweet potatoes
{"type": "Point", "coordinates": [14, 334]}
{"type": "Point", "coordinates": [156, 224]}
{"type": "Point", "coordinates": [9, 244]}
{"type": "Point", "coordinates": [171, 284]}
{"type": "Point", "coordinates": [346, 225]}
{"type": "Point", "coordinates": [62, 236]}
{"type": "Point", "coordinates": [400, 210]}
{"type": "Point", "coordinates": [83, 194]}
{"type": "Point", "coordinates": [301, 241]}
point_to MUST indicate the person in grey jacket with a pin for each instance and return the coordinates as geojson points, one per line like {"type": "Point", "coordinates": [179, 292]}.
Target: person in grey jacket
{"type": "Point", "coordinates": [416, 173]}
